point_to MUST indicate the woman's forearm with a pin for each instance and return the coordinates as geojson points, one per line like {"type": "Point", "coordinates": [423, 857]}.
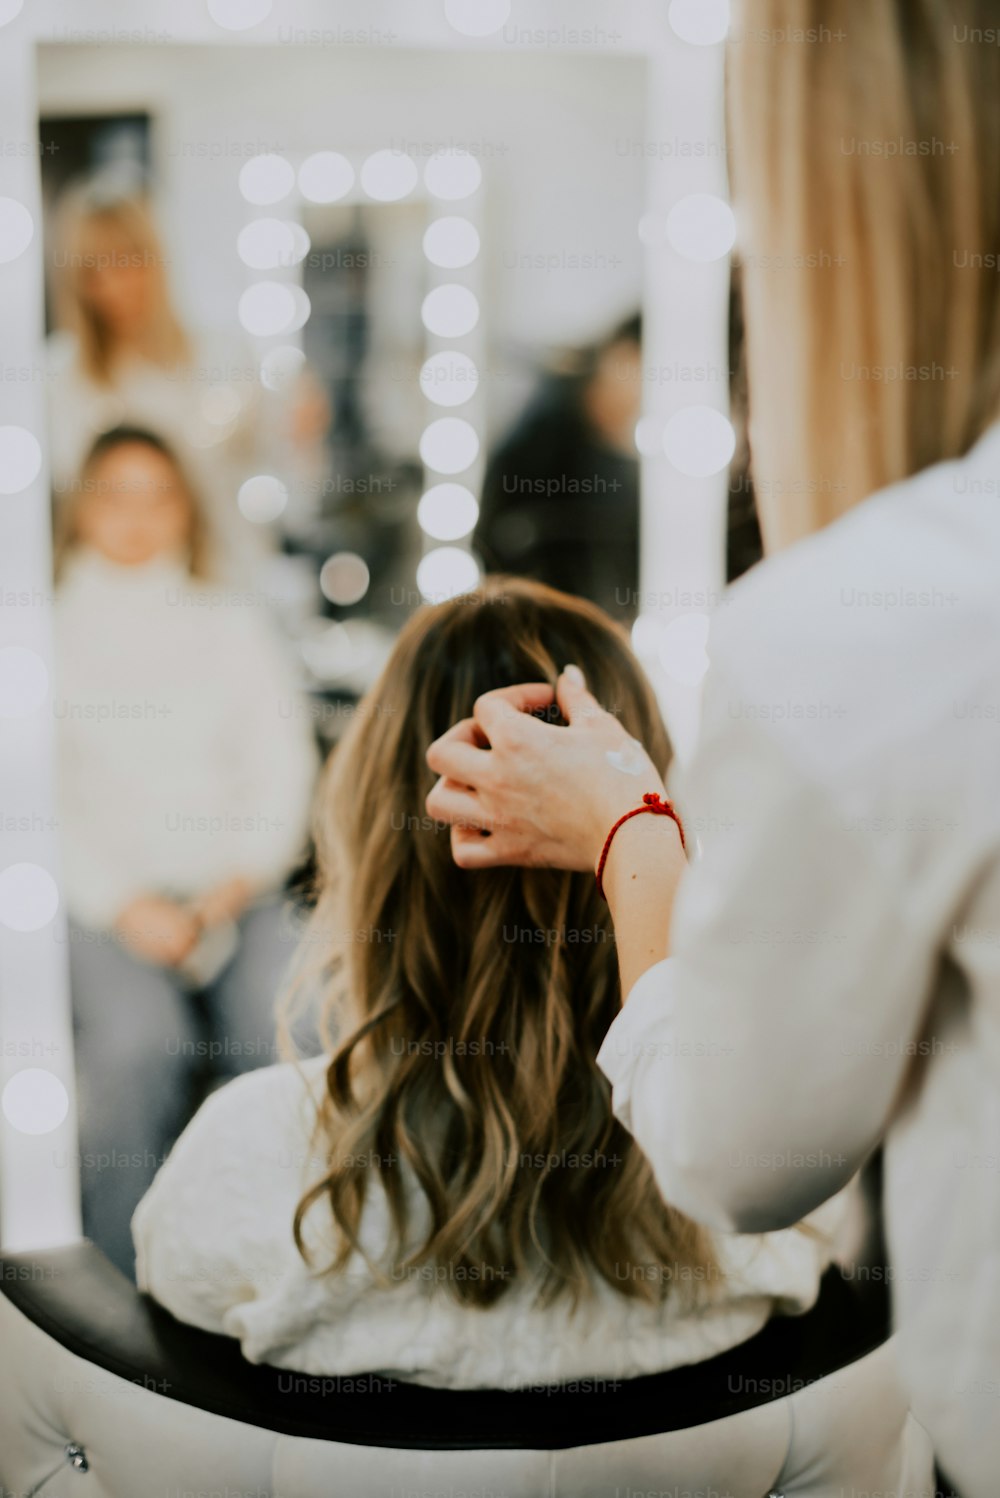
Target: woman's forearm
{"type": "Point", "coordinates": [643, 870]}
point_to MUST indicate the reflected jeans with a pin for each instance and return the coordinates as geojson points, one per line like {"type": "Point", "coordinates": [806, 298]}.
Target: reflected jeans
{"type": "Point", "coordinates": [147, 1046]}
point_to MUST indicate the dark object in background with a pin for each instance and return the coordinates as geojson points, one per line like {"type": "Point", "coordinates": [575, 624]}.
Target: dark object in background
{"type": "Point", "coordinates": [560, 501]}
{"type": "Point", "coordinates": [744, 547]}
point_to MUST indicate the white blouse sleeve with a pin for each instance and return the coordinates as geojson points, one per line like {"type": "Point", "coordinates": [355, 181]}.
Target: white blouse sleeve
{"type": "Point", "coordinates": [757, 1066]}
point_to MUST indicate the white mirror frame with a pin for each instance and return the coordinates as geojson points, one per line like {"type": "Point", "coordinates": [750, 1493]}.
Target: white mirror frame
{"type": "Point", "coordinates": [685, 312]}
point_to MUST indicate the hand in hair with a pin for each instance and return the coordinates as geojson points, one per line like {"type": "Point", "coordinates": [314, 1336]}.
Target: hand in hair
{"type": "Point", "coordinates": [158, 930]}
{"type": "Point", "coordinates": [545, 794]}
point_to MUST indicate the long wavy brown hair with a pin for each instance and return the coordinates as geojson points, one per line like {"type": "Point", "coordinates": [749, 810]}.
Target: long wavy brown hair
{"type": "Point", "coordinates": [470, 1007]}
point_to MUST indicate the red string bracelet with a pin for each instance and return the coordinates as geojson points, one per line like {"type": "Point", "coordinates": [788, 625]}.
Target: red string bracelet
{"type": "Point", "coordinates": [652, 802]}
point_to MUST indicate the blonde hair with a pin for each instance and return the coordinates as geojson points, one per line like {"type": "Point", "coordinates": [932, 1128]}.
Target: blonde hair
{"type": "Point", "coordinates": [866, 139]}
{"type": "Point", "coordinates": [84, 213]}
{"type": "Point", "coordinates": [469, 1007]}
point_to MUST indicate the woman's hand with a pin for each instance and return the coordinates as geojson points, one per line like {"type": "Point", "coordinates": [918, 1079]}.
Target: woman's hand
{"type": "Point", "coordinates": [226, 902]}
{"type": "Point", "coordinates": [158, 930]}
{"type": "Point", "coordinates": [546, 794]}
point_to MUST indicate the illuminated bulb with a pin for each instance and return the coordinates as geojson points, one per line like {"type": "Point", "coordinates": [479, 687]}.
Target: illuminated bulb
{"type": "Point", "coordinates": [239, 15]}
{"type": "Point", "coordinates": [449, 379]}
{"type": "Point", "coordinates": [448, 512]}
{"type": "Point", "coordinates": [266, 179]}
{"type": "Point", "coordinates": [451, 243]}
{"type": "Point", "coordinates": [301, 308]}
{"type": "Point", "coordinates": [447, 572]}
{"type": "Point", "coordinates": [683, 648]}
{"type": "Point", "coordinates": [20, 459]}
{"type": "Point", "coordinates": [301, 243]}
{"type": "Point", "coordinates": [452, 175]}
{"type": "Point", "coordinates": [477, 17]}
{"type": "Point", "coordinates": [449, 445]}
{"type": "Point", "coordinates": [17, 229]}
{"type": "Point", "coordinates": [262, 498]}
{"type": "Point", "coordinates": [24, 681]}
{"type": "Point", "coordinates": [280, 367]}
{"type": "Point", "coordinates": [266, 243]}
{"type": "Point", "coordinates": [388, 176]}
{"type": "Point", "coordinates": [325, 177]}
{"type": "Point", "coordinates": [701, 227]}
{"type": "Point", "coordinates": [34, 1101]}
{"type": "Point", "coordinates": [450, 311]}
{"type": "Point", "coordinates": [267, 308]}
{"type": "Point", "coordinates": [344, 578]}
{"type": "Point", "coordinates": [28, 897]}
{"type": "Point", "coordinates": [220, 405]}
{"type": "Point", "coordinates": [699, 441]}
{"type": "Point", "coordinates": [649, 436]}
{"type": "Point", "coordinates": [647, 635]}
{"type": "Point", "coordinates": [328, 652]}
{"type": "Point", "coordinates": [704, 23]}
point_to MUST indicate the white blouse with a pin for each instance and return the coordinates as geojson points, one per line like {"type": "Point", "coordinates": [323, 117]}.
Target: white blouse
{"type": "Point", "coordinates": [840, 932]}
{"type": "Point", "coordinates": [214, 1245]}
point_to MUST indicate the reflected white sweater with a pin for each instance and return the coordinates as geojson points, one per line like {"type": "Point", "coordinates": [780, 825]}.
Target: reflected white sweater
{"type": "Point", "coordinates": [184, 757]}
{"type": "Point", "coordinates": [214, 1242]}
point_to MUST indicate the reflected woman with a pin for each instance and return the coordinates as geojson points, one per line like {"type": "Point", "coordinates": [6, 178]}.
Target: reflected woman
{"type": "Point", "coordinates": [123, 354]}
{"type": "Point", "coordinates": [185, 780]}
{"type": "Point", "coordinates": [560, 500]}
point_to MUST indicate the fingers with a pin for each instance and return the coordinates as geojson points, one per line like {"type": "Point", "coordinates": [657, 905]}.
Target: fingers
{"type": "Point", "coordinates": [523, 698]}
{"type": "Point", "coordinates": [498, 711]}
{"type": "Point", "coordinates": [461, 754]}
{"type": "Point", "coordinates": [575, 702]}
{"type": "Point", "coordinates": [452, 803]}
{"type": "Point", "coordinates": [471, 850]}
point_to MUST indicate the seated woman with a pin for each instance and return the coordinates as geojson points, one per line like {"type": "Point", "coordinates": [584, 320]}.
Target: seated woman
{"type": "Point", "coordinates": [445, 1195]}
{"type": "Point", "coordinates": [186, 773]}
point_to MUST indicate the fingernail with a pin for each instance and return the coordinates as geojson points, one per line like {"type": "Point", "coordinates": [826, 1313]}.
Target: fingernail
{"type": "Point", "coordinates": [575, 675]}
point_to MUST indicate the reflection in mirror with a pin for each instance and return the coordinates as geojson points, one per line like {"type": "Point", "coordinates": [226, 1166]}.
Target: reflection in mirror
{"type": "Point", "coordinates": [314, 360]}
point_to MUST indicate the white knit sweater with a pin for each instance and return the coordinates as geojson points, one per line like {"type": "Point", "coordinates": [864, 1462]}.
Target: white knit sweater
{"type": "Point", "coordinates": [184, 756]}
{"type": "Point", "coordinates": [214, 1243]}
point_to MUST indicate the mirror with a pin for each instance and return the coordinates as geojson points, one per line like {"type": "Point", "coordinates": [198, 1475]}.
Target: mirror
{"type": "Point", "coordinates": [331, 333]}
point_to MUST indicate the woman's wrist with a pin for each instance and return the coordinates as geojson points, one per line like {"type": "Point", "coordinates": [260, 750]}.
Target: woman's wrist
{"type": "Point", "coordinates": [616, 802]}
{"type": "Point", "coordinates": [643, 870]}
{"type": "Point", "coordinates": [646, 845]}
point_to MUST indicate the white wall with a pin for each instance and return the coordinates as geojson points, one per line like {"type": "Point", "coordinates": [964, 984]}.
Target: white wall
{"type": "Point", "coordinates": [555, 135]}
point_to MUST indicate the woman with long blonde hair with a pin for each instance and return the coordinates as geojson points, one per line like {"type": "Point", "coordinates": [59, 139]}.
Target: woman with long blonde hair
{"type": "Point", "coordinates": [841, 925]}
{"type": "Point", "coordinates": [444, 1194]}
{"type": "Point", "coordinates": [121, 353]}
